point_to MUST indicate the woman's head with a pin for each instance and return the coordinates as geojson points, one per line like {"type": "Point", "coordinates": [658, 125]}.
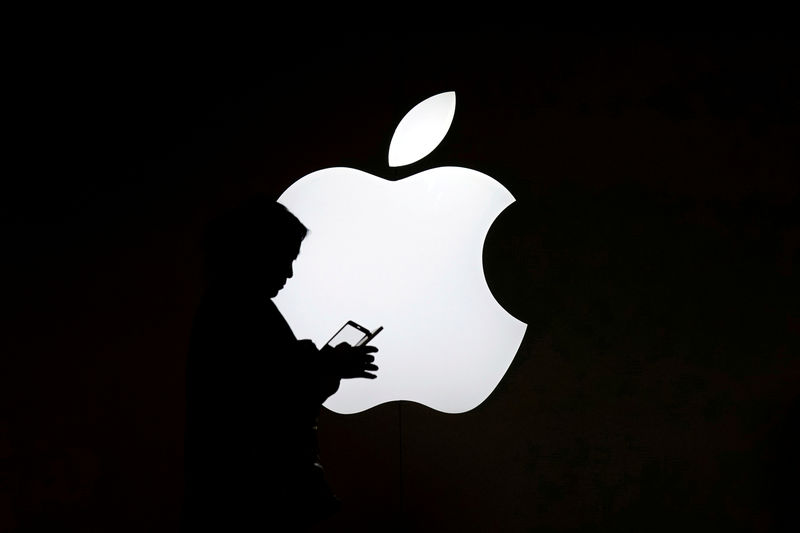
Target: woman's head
{"type": "Point", "coordinates": [251, 247]}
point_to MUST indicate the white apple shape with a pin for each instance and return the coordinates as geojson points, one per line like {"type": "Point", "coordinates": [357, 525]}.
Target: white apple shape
{"type": "Point", "coordinates": [405, 255]}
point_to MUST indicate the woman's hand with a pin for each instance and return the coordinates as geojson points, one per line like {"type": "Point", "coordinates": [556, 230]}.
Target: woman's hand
{"type": "Point", "coordinates": [346, 362]}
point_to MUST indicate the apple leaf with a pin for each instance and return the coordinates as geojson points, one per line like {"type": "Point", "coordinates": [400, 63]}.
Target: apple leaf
{"type": "Point", "coordinates": [422, 129]}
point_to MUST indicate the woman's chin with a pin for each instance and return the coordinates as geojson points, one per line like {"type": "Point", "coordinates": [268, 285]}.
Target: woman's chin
{"type": "Point", "coordinates": [275, 292]}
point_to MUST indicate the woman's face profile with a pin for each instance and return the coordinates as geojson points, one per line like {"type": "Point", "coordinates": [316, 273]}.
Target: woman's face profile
{"type": "Point", "coordinates": [251, 251]}
{"type": "Point", "coordinates": [278, 269]}
{"type": "Point", "coordinates": [282, 276]}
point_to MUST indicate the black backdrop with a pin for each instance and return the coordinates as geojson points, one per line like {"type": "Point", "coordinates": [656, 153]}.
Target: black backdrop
{"type": "Point", "coordinates": [651, 251]}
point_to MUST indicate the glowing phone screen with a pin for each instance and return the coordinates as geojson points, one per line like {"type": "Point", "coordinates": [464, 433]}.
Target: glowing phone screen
{"type": "Point", "coordinates": [349, 334]}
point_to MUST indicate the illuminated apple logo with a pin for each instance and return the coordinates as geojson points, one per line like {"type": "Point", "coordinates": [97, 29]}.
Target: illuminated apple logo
{"type": "Point", "coordinates": [405, 255]}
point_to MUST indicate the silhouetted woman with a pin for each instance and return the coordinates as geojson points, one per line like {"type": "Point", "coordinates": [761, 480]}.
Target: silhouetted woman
{"type": "Point", "coordinates": [253, 390]}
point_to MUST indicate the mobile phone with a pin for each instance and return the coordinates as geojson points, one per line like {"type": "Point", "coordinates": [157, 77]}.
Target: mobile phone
{"type": "Point", "coordinates": [353, 334]}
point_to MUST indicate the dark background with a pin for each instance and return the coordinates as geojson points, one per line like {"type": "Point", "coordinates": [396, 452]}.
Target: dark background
{"type": "Point", "coordinates": [652, 250]}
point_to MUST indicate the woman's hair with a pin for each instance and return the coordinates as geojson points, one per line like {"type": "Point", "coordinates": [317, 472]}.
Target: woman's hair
{"type": "Point", "coordinates": [256, 232]}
